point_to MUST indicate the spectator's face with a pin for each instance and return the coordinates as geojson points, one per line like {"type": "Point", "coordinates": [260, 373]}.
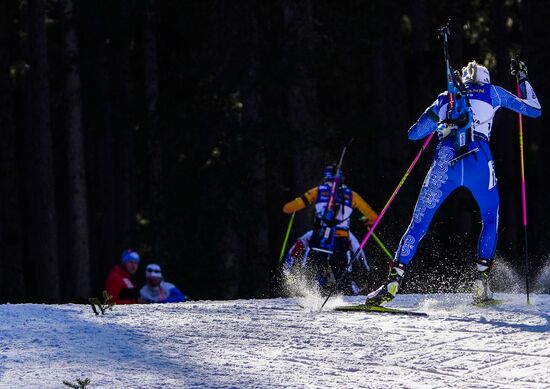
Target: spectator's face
{"type": "Point", "coordinates": [153, 281]}
{"type": "Point", "coordinates": [131, 267]}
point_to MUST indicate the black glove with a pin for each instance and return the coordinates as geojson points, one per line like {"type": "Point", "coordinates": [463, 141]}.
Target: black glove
{"type": "Point", "coordinates": [518, 69]}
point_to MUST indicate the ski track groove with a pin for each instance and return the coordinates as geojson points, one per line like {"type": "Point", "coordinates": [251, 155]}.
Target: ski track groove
{"type": "Point", "coordinates": [272, 343]}
{"type": "Point", "coordinates": [457, 379]}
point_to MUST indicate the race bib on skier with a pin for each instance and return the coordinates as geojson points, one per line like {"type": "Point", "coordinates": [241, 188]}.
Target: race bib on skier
{"type": "Point", "coordinates": [492, 175]}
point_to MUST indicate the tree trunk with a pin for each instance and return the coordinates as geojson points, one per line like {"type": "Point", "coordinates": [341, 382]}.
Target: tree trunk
{"type": "Point", "coordinates": [301, 96]}
{"type": "Point", "coordinates": [422, 82]}
{"type": "Point", "coordinates": [154, 144]}
{"type": "Point", "coordinates": [11, 240]}
{"type": "Point", "coordinates": [124, 134]}
{"type": "Point", "coordinates": [41, 234]}
{"type": "Point", "coordinates": [79, 250]}
{"type": "Point", "coordinates": [534, 51]}
{"type": "Point", "coordinates": [505, 146]}
{"type": "Point", "coordinates": [104, 174]}
{"type": "Point", "coordinates": [388, 95]}
{"type": "Point", "coordinates": [258, 258]}
{"type": "Point", "coordinates": [233, 243]}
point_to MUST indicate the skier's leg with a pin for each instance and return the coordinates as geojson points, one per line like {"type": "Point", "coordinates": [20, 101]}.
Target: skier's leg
{"type": "Point", "coordinates": [339, 260]}
{"type": "Point", "coordinates": [483, 185]}
{"type": "Point", "coordinates": [442, 179]}
{"type": "Point", "coordinates": [488, 206]}
{"type": "Point", "coordinates": [338, 264]}
{"type": "Point", "coordinates": [320, 271]}
{"type": "Point", "coordinates": [488, 201]}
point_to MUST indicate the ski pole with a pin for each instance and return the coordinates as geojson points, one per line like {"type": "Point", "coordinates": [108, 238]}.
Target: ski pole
{"type": "Point", "coordinates": [327, 234]}
{"type": "Point", "coordinates": [381, 245]}
{"type": "Point", "coordinates": [523, 192]}
{"type": "Point", "coordinates": [282, 255]}
{"type": "Point", "coordinates": [381, 214]}
{"type": "Point", "coordinates": [335, 183]}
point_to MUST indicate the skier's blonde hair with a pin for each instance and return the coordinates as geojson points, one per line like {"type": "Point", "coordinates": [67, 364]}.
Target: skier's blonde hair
{"type": "Point", "coordinates": [474, 72]}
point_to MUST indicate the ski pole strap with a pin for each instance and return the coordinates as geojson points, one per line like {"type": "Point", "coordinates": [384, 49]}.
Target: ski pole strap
{"type": "Point", "coordinates": [282, 255]}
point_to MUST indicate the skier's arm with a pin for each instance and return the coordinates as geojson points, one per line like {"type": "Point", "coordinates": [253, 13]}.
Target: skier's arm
{"type": "Point", "coordinates": [175, 296]}
{"type": "Point", "coordinates": [427, 123]}
{"type": "Point", "coordinates": [120, 292]}
{"type": "Point", "coordinates": [528, 106]}
{"type": "Point", "coordinates": [301, 202]}
{"type": "Point", "coordinates": [113, 286]}
{"type": "Point", "coordinates": [364, 208]}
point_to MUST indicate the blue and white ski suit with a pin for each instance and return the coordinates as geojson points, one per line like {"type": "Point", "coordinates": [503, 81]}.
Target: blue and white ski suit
{"type": "Point", "coordinates": [474, 171]}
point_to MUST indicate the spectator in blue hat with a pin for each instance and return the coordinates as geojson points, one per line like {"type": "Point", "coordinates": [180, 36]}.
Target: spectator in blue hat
{"type": "Point", "coordinates": [120, 283]}
{"type": "Point", "coordinates": [156, 290]}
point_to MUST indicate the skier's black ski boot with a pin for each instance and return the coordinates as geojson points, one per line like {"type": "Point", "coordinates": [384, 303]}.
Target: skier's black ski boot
{"type": "Point", "coordinates": [387, 291]}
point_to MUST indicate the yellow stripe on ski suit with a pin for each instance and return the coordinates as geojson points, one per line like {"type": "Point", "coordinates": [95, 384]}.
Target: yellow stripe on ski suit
{"type": "Point", "coordinates": [357, 202]}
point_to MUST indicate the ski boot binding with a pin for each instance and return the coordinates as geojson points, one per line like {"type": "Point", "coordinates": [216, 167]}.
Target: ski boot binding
{"type": "Point", "coordinates": [387, 291]}
{"type": "Point", "coordinates": [482, 291]}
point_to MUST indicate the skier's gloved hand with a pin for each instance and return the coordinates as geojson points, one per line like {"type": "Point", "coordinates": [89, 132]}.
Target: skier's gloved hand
{"type": "Point", "coordinates": [366, 221]}
{"type": "Point", "coordinates": [518, 69]}
{"type": "Point", "coordinates": [444, 128]}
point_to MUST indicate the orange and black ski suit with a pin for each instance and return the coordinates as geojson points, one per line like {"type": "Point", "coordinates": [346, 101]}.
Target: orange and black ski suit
{"type": "Point", "coordinates": [346, 200]}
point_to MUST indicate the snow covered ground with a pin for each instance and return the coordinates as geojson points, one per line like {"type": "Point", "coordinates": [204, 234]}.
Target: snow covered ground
{"type": "Point", "coordinates": [276, 343]}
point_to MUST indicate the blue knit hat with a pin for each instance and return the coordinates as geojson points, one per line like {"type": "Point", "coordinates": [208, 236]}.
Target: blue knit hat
{"type": "Point", "coordinates": [129, 255]}
{"type": "Point", "coordinates": [328, 173]}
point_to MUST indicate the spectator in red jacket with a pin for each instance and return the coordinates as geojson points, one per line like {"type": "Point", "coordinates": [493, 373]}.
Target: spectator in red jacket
{"type": "Point", "coordinates": [120, 283]}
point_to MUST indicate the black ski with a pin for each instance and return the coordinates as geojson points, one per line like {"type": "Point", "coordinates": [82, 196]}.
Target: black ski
{"type": "Point", "coordinates": [378, 309]}
{"type": "Point", "coordinates": [487, 303]}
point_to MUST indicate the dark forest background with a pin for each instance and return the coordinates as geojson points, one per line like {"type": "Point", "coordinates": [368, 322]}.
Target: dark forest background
{"type": "Point", "coordinates": [179, 128]}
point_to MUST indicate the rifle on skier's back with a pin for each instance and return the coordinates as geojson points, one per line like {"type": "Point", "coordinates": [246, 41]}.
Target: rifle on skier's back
{"type": "Point", "coordinates": [327, 220]}
{"type": "Point", "coordinates": [458, 120]}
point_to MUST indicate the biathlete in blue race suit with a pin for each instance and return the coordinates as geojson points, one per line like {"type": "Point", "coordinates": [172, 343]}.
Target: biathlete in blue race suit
{"type": "Point", "coordinates": [470, 166]}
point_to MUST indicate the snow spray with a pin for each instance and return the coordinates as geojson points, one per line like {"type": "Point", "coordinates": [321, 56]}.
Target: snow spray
{"type": "Point", "coordinates": [504, 278]}
{"type": "Point", "coordinates": [300, 286]}
{"type": "Point", "coordinates": [542, 282]}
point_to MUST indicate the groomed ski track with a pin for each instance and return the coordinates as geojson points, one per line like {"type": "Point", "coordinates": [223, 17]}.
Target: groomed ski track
{"type": "Point", "coordinates": [274, 343]}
